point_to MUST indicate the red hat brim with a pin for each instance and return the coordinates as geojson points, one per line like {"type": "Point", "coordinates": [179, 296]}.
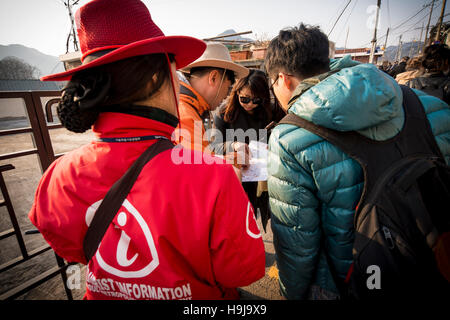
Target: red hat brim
{"type": "Point", "coordinates": [186, 50]}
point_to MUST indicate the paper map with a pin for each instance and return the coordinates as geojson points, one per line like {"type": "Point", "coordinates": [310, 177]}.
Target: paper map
{"type": "Point", "coordinates": [257, 170]}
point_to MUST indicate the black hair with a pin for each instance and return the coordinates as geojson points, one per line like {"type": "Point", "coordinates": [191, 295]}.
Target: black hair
{"type": "Point", "coordinates": [200, 71]}
{"type": "Point", "coordinates": [91, 91]}
{"type": "Point", "coordinates": [256, 81]}
{"type": "Point", "coordinates": [436, 57]}
{"type": "Point", "coordinates": [302, 51]}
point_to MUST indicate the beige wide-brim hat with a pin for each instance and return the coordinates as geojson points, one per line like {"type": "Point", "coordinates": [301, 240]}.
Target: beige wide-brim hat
{"type": "Point", "coordinates": [217, 55]}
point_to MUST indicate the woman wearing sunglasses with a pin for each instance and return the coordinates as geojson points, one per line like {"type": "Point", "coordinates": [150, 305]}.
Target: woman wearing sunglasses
{"type": "Point", "coordinates": [248, 108]}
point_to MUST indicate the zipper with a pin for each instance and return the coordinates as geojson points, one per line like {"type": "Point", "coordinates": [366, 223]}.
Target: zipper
{"type": "Point", "coordinates": [388, 237]}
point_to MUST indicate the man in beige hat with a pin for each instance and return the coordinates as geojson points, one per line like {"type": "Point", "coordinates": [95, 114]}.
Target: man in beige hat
{"type": "Point", "coordinates": [204, 84]}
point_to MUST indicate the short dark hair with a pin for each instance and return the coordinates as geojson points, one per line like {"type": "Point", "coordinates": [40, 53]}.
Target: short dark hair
{"type": "Point", "coordinates": [200, 71]}
{"type": "Point", "coordinates": [302, 51]}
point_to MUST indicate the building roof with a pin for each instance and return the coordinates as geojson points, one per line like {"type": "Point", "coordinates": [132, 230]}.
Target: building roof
{"type": "Point", "coordinates": [30, 85]}
{"type": "Point", "coordinates": [357, 52]}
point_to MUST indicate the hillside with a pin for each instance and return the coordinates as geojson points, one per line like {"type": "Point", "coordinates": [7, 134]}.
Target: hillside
{"type": "Point", "coordinates": [45, 63]}
{"type": "Point", "coordinates": [232, 31]}
{"type": "Point", "coordinates": [408, 49]}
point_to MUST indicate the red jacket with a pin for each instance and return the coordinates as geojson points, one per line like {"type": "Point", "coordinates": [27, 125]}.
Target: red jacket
{"type": "Point", "coordinates": [185, 231]}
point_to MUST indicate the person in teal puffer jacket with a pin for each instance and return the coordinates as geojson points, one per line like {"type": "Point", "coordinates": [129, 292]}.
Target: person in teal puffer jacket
{"type": "Point", "coordinates": [314, 187]}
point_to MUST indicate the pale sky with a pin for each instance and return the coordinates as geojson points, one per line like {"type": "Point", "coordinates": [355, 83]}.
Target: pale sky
{"type": "Point", "coordinates": [44, 24]}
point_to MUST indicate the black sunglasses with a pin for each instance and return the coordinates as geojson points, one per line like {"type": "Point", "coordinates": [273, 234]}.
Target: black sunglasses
{"type": "Point", "coordinates": [246, 100]}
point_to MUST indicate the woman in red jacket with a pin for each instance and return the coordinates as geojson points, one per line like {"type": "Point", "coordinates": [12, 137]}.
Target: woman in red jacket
{"type": "Point", "coordinates": [185, 231]}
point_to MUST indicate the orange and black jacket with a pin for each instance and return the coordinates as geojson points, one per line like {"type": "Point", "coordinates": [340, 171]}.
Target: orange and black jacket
{"type": "Point", "coordinates": [193, 111]}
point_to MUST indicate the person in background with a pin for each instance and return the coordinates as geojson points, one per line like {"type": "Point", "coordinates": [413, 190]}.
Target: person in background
{"type": "Point", "coordinates": [385, 66]}
{"type": "Point", "coordinates": [175, 235]}
{"type": "Point", "coordinates": [398, 67]}
{"type": "Point", "coordinates": [247, 110]}
{"type": "Point", "coordinates": [314, 187]}
{"type": "Point", "coordinates": [413, 70]}
{"type": "Point", "coordinates": [435, 80]}
{"type": "Point", "coordinates": [204, 84]}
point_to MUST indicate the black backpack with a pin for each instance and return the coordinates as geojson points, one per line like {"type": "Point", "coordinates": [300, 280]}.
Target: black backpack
{"type": "Point", "coordinates": [402, 221]}
{"type": "Point", "coordinates": [438, 86]}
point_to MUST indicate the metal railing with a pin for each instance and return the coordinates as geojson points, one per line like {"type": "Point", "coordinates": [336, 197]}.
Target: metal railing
{"type": "Point", "coordinates": [44, 150]}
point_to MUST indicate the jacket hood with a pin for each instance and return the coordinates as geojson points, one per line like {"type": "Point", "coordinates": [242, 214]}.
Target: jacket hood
{"type": "Point", "coordinates": [354, 97]}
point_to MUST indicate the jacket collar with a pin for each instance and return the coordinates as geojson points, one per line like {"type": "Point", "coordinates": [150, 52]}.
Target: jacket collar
{"type": "Point", "coordinates": [307, 84]}
{"type": "Point", "coordinates": [133, 121]}
{"type": "Point", "coordinates": [360, 98]}
{"type": "Point", "coordinates": [336, 65]}
{"type": "Point", "coordinates": [146, 112]}
{"type": "Point", "coordinates": [192, 97]}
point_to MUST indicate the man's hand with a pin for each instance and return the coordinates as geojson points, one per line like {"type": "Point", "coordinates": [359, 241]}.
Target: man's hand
{"type": "Point", "coordinates": [240, 158]}
{"type": "Point", "coordinates": [238, 173]}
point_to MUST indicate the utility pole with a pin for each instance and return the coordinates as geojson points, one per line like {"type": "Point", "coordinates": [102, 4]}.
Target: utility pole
{"type": "Point", "coordinates": [385, 42]}
{"type": "Point", "coordinates": [411, 49]}
{"type": "Point", "coordinates": [420, 39]}
{"type": "Point", "coordinates": [346, 38]}
{"type": "Point", "coordinates": [428, 26]}
{"type": "Point", "coordinates": [374, 40]}
{"type": "Point", "coordinates": [72, 33]}
{"type": "Point", "coordinates": [399, 49]}
{"type": "Point", "coordinates": [438, 33]}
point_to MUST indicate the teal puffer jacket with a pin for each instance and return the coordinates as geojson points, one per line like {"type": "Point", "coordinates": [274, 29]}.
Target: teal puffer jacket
{"type": "Point", "coordinates": [313, 183]}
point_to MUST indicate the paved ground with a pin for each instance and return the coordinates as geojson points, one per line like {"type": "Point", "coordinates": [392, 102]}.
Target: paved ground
{"type": "Point", "coordinates": [266, 288]}
{"type": "Point", "coordinates": [22, 182]}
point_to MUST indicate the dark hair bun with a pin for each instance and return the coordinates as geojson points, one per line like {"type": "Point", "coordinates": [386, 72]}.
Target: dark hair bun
{"type": "Point", "coordinates": [71, 116]}
{"type": "Point", "coordinates": [123, 82]}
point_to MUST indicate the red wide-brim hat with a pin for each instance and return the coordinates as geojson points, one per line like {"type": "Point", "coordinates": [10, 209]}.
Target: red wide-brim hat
{"type": "Point", "coordinates": [113, 30]}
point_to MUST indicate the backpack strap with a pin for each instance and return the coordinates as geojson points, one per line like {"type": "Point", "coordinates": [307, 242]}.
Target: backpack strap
{"type": "Point", "coordinates": [116, 196]}
{"type": "Point", "coordinates": [416, 127]}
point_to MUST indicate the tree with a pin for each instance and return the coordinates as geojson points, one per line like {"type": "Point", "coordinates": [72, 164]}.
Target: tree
{"type": "Point", "coordinates": [12, 68]}
{"type": "Point", "coordinates": [262, 40]}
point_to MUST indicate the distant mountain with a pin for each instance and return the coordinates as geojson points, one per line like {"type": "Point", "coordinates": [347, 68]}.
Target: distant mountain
{"type": "Point", "coordinates": [231, 31]}
{"type": "Point", "coordinates": [45, 63]}
{"type": "Point", "coordinates": [409, 49]}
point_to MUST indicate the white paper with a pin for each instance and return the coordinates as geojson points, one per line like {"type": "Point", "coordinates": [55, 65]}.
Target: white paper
{"type": "Point", "coordinates": [257, 170]}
